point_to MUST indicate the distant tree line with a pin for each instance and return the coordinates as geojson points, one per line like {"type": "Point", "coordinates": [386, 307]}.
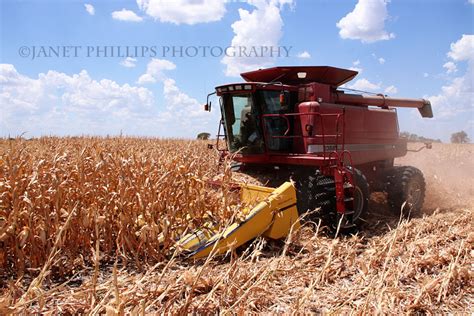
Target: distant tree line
{"type": "Point", "coordinates": [456, 138]}
{"type": "Point", "coordinates": [416, 138]}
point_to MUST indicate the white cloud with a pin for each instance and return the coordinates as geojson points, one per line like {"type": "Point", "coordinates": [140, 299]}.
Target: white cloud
{"type": "Point", "coordinates": [146, 78]}
{"type": "Point", "coordinates": [450, 67]}
{"type": "Point", "coordinates": [126, 15]}
{"type": "Point", "coordinates": [364, 85]}
{"type": "Point", "coordinates": [355, 67]}
{"type": "Point", "coordinates": [129, 62]}
{"type": "Point", "coordinates": [179, 103]}
{"type": "Point", "coordinates": [260, 27]}
{"type": "Point", "coordinates": [426, 75]}
{"type": "Point", "coordinates": [391, 90]}
{"type": "Point", "coordinates": [78, 91]}
{"type": "Point", "coordinates": [184, 11]}
{"type": "Point", "coordinates": [180, 109]}
{"type": "Point", "coordinates": [366, 22]}
{"type": "Point", "coordinates": [183, 113]}
{"type": "Point", "coordinates": [19, 93]}
{"type": "Point", "coordinates": [463, 49]}
{"type": "Point", "coordinates": [457, 96]}
{"type": "Point", "coordinates": [304, 55]}
{"type": "Point", "coordinates": [380, 60]}
{"type": "Point", "coordinates": [89, 8]}
{"type": "Point", "coordinates": [61, 104]}
{"type": "Point", "coordinates": [155, 71]}
{"type": "Point", "coordinates": [55, 103]}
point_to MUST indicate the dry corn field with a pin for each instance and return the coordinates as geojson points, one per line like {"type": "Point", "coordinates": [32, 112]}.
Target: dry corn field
{"type": "Point", "coordinates": [80, 219]}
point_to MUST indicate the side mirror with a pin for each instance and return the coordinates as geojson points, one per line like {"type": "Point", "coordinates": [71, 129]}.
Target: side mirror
{"type": "Point", "coordinates": [282, 99]}
{"type": "Point", "coordinates": [207, 107]}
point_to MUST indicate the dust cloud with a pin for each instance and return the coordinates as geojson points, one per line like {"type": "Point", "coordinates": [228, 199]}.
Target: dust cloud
{"type": "Point", "coordinates": [448, 171]}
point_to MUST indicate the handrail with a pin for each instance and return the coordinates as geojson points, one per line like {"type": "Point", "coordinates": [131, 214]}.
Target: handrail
{"type": "Point", "coordinates": [348, 154]}
{"type": "Point", "coordinates": [323, 136]}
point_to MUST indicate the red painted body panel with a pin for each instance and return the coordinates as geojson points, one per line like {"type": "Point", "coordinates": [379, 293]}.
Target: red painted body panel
{"type": "Point", "coordinates": [326, 120]}
{"type": "Point", "coordinates": [368, 134]}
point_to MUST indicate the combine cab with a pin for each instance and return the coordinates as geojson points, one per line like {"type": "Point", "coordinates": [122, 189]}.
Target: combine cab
{"type": "Point", "coordinates": [295, 123]}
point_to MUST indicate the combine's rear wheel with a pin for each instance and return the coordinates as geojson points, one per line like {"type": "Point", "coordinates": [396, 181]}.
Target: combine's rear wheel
{"type": "Point", "coordinates": [406, 190]}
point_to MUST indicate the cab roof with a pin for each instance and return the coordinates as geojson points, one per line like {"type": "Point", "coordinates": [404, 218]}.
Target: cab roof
{"type": "Point", "coordinates": [294, 75]}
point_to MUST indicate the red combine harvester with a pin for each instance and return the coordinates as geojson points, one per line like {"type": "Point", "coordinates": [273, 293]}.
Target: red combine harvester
{"type": "Point", "coordinates": [294, 122]}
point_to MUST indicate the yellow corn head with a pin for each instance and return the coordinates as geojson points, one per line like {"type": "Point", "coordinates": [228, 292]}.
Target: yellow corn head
{"type": "Point", "coordinates": [274, 216]}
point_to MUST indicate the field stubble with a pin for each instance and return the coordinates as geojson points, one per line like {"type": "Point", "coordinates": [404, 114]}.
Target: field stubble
{"type": "Point", "coordinates": [80, 217]}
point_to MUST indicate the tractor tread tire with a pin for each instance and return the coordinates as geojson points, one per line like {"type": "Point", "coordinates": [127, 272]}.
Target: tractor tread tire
{"type": "Point", "coordinates": [400, 180]}
{"type": "Point", "coordinates": [318, 191]}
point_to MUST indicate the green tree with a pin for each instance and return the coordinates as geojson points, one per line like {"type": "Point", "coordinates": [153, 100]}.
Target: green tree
{"type": "Point", "coordinates": [460, 138]}
{"type": "Point", "coordinates": [203, 136]}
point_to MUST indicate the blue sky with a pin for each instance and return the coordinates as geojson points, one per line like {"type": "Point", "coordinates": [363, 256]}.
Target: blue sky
{"type": "Point", "coordinates": [419, 49]}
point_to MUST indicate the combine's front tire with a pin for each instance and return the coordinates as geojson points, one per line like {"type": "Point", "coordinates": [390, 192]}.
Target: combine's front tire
{"type": "Point", "coordinates": [315, 191]}
{"type": "Point", "coordinates": [318, 191]}
{"type": "Point", "coordinates": [355, 210]}
{"type": "Point", "coordinates": [406, 190]}
{"type": "Point", "coordinates": [361, 195]}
